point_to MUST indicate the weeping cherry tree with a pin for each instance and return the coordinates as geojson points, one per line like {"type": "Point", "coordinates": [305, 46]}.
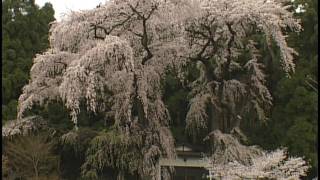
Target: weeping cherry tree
{"type": "Point", "coordinates": [112, 59]}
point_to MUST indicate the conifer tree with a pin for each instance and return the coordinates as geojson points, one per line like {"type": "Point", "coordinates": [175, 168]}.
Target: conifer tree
{"type": "Point", "coordinates": [25, 29]}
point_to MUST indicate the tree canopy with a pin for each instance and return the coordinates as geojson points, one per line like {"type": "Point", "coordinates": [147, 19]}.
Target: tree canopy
{"type": "Point", "coordinates": [112, 59]}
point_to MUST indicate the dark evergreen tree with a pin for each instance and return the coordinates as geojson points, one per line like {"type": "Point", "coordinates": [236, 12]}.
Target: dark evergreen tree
{"type": "Point", "coordinates": [25, 29]}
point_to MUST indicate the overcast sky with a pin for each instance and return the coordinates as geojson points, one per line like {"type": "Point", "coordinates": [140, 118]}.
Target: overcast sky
{"type": "Point", "coordinates": [64, 6]}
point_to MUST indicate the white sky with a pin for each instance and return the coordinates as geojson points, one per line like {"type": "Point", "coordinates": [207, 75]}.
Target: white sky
{"type": "Point", "coordinates": [64, 6]}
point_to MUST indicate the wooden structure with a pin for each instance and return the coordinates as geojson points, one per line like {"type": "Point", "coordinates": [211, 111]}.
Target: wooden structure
{"type": "Point", "coordinates": [189, 164]}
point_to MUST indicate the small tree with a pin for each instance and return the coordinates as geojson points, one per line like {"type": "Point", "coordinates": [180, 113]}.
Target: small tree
{"type": "Point", "coordinates": [31, 156]}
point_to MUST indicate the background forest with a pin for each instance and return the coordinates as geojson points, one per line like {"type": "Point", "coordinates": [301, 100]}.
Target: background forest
{"type": "Point", "coordinates": [293, 122]}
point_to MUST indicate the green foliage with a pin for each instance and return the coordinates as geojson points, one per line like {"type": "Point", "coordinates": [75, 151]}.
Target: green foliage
{"type": "Point", "coordinates": [25, 33]}
{"type": "Point", "coordinates": [9, 110]}
{"type": "Point", "coordinates": [176, 98]}
{"type": "Point", "coordinates": [57, 116]}
{"type": "Point", "coordinates": [114, 151]}
{"type": "Point", "coordinates": [295, 117]}
{"type": "Point", "coordinates": [72, 148]}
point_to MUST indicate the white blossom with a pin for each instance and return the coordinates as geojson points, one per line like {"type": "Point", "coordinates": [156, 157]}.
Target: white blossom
{"type": "Point", "coordinates": [23, 126]}
{"type": "Point", "coordinates": [271, 165]}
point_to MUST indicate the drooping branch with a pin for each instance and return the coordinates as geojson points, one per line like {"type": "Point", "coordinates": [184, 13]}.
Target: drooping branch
{"type": "Point", "coordinates": [226, 65]}
{"type": "Point", "coordinates": [224, 115]}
